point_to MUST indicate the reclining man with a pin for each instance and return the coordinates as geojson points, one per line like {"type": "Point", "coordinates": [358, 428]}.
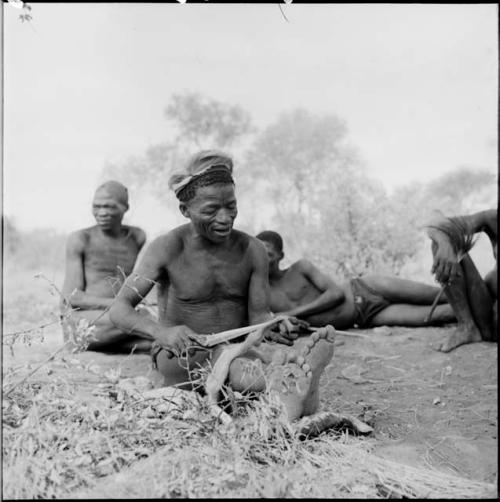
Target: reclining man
{"type": "Point", "coordinates": [473, 299]}
{"type": "Point", "coordinates": [211, 278]}
{"type": "Point", "coordinates": [98, 259]}
{"type": "Point", "coordinates": [305, 292]}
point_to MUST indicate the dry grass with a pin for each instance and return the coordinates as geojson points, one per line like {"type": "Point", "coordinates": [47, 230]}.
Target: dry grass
{"type": "Point", "coordinates": [74, 431]}
{"type": "Point", "coordinates": [61, 438]}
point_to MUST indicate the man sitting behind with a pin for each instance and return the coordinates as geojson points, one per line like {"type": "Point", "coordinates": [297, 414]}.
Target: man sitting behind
{"type": "Point", "coordinates": [473, 299]}
{"type": "Point", "coordinates": [211, 278]}
{"type": "Point", "coordinates": [98, 259]}
{"type": "Point", "coordinates": [302, 290]}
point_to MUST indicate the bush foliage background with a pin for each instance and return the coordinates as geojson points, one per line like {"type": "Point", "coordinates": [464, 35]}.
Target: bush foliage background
{"type": "Point", "coordinates": [300, 176]}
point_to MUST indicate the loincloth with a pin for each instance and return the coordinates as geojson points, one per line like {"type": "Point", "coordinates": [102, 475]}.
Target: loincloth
{"type": "Point", "coordinates": [367, 302]}
{"type": "Point", "coordinates": [156, 349]}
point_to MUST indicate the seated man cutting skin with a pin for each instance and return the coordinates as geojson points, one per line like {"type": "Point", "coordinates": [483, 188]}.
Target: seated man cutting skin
{"type": "Point", "coordinates": [211, 278]}
{"type": "Point", "coordinates": [302, 290]}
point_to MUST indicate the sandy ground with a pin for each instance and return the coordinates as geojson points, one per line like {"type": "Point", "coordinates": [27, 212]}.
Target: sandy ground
{"type": "Point", "coordinates": [427, 408]}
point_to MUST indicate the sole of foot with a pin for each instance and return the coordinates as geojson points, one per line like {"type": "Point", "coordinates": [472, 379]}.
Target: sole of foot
{"type": "Point", "coordinates": [295, 375]}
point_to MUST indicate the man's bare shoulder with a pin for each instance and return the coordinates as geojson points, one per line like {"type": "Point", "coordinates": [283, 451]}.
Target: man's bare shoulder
{"type": "Point", "coordinates": [303, 265]}
{"type": "Point", "coordinates": [138, 234]}
{"type": "Point", "coordinates": [249, 243]}
{"type": "Point", "coordinates": [79, 238]}
{"type": "Point", "coordinates": [170, 244]}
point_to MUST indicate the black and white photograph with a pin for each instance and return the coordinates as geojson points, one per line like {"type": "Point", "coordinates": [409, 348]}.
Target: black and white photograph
{"type": "Point", "coordinates": [249, 250]}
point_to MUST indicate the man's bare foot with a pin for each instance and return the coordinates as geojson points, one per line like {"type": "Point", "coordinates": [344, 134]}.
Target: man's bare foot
{"type": "Point", "coordinates": [318, 352]}
{"type": "Point", "coordinates": [295, 376]}
{"type": "Point", "coordinates": [460, 336]}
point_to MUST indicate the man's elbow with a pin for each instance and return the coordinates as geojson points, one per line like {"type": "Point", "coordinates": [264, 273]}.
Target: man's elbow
{"type": "Point", "coordinates": [339, 297]}
{"type": "Point", "coordinates": [115, 313]}
{"type": "Point", "coordinates": [73, 299]}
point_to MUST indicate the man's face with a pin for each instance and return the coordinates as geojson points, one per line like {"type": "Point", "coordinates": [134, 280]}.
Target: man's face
{"type": "Point", "coordinates": [212, 211]}
{"type": "Point", "coordinates": [273, 255]}
{"type": "Point", "coordinates": [106, 210]}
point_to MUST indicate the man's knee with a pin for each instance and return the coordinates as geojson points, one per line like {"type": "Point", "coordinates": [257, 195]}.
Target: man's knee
{"type": "Point", "coordinates": [247, 375]}
{"type": "Point", "coordinates": [491, 282]}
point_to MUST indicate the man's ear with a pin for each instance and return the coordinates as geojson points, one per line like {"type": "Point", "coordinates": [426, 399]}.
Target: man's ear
{"type": "Point", "coordinates": [184, 209]}
{"type": "Point", "coordinates": [282, 255]}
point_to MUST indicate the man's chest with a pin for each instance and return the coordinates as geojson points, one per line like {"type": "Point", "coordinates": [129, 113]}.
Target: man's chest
{"type": "Point", "coordinates": [111, 257]}
{"type": "Point", "coordinates": [204, 277]}
{"type": "Point", "coordinates": [291, 290]}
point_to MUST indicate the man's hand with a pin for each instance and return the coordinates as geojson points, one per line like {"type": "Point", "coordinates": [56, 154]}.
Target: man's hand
{"type": "Point", "coordinates": [175, 339]}
{"type": "Point", "coordinates": [286, 331]}
{"type": "Point", "coordinates": [445, 266]}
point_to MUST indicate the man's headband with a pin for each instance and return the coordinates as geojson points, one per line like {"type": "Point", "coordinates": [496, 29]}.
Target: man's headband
{"type": "Point", "coordinates": [198, 165]}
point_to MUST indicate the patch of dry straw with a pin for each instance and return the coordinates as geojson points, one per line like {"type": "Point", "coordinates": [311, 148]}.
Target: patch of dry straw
{"type": "Point", "coordinates": [118, 443]}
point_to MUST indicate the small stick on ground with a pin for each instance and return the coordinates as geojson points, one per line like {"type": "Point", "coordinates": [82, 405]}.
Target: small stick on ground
{"type": "Point", "coordinates": [434, 304]}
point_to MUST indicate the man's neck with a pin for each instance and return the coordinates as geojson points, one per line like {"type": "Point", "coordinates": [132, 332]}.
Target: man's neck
{"type": "Point", "coordinates": [115, 231]}
{"type": "Point", "coordinates": [275, 274]}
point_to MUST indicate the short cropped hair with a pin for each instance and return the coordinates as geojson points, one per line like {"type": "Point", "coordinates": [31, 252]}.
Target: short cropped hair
{"type": "Point", "coordinates": [273, 237]}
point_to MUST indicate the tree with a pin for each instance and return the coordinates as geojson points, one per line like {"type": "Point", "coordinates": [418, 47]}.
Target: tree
{"type": "Point", "coordinates": [296, 152]}
{"type": "Point", "coordinates": [206, 123]}
{"type": "Point", "coordinates": [198, 123]}
{"type": "Point", "coordinates": [11, 236]}
{"type": "Point", "coordinates": [326, 206]}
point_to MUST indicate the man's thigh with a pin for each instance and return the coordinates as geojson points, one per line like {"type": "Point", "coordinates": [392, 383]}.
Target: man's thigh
{"type": "Point", "coordinates": [179, 371]}
{"type": "Point", "coordinates": [103, 329]}
{"type": "Point", "coordinates": [248, 372]}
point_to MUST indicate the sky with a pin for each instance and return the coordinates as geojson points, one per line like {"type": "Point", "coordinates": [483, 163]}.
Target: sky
{"type": "Point", "coordinates": [87, 84]}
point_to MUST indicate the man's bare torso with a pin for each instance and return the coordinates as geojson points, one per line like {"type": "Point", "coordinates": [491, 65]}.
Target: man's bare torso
{"type": "Point", "coordinates": [107, 261]}
{"type": "Point", "coordinates": [293, 289]}
{"type": "Point", "coordinates": [207, 287]}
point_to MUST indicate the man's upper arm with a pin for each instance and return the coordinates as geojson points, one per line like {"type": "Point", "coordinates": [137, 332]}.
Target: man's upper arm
{"type": "Point", "coordinates": [147, 271]}
{"type": "Point", "coordinates": [258, 290]}
{"type": "Point", "coordinates": [485, 221]}
{"type": "Point", "coordinates": [140, 237]}
{"type": "Point", "coordinates": [318, 278]}
{"type": "Point", "coordinates": [74, 276]}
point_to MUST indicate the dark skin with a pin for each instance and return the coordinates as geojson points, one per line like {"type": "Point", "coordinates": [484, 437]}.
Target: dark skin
{"type": "Point", "coordinates": [210, 278]}
{"type": "Point", "coordinates": [302, 290]}
{"type": "Point", "coordinates": [473, 299]}
{"type": "Point", "coordinates": [98, 259]}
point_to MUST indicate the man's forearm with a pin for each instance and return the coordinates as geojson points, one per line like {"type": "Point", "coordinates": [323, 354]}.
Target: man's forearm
{"type": "Point", "coordinates": [132, 322]}
{"type": "Point", "coordinates": [260, 317]}
{"type": "Point", "coordinates": [325, 301]}
{"type": "Point", "coordinates": [438, 236]}
{"type": "Point", "coordinates": [84, 301]}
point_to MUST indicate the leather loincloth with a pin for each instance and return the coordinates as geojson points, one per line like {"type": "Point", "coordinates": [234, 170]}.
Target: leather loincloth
{"type": "Point", "coordinates": [367, 302]}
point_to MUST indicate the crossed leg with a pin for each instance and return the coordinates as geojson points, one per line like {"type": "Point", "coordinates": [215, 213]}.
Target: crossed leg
{"type": "Point", "coordinates": [411, 302]}
{"type": "Point", "coordinates": [473, 306]}
{"type": "Point", "coordinates": [398, 290]}
{"type": "Point", "coordinates": [106, 337]}
{"type": "Point", "coordinates": [294, 373]}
